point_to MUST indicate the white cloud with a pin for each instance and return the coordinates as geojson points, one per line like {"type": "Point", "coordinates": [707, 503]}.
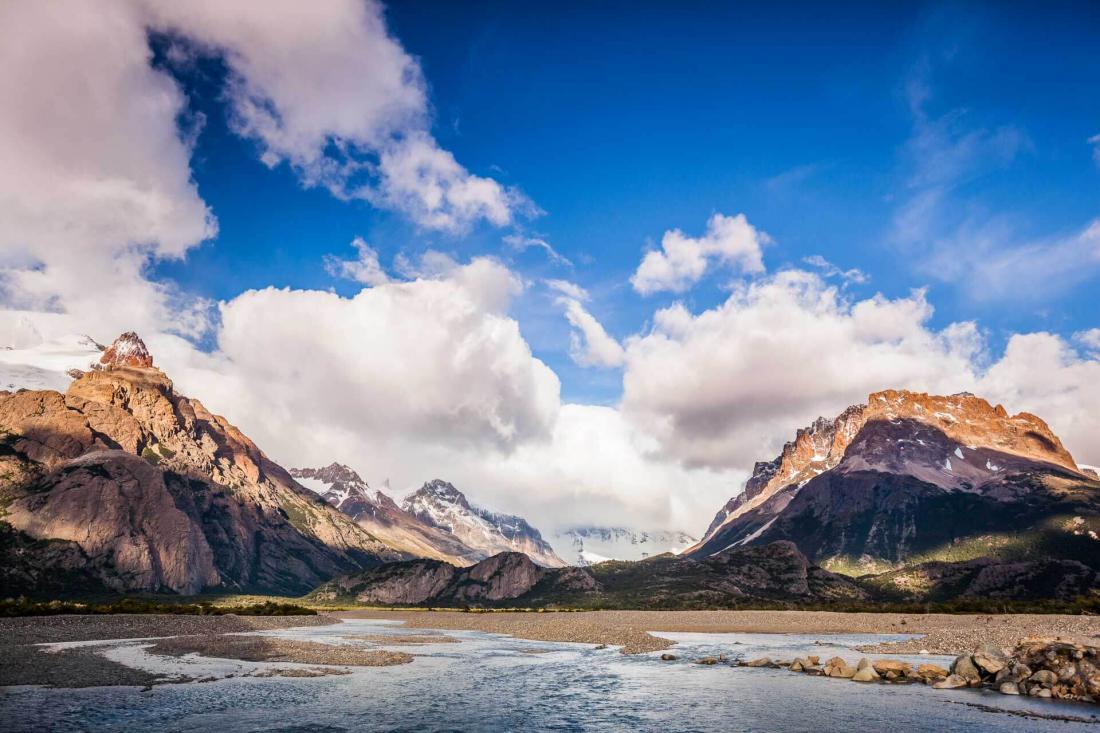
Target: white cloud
{"type": "Point", "coordinates": [828, 269]}
{"type": "Point", "coordinates": [728, 386]}
{"type": "Point", "coordinates": [590, 344]}
{"type": "Point", "coordinates": [334, 95]}
{"type": "Point", "coordinates": [568, 289]}
{"type": "Point", "coordinates": [1094, 141]}
{"type": "Point", "coordinates": [95, 182]}
{"type": "Point", "coordinates": [682, 260]}
{"type": "Point", "coordinates": [364, 269]}
{"type": "Point", "coordinates": [1090, 339]}
{"type": "Point", "coordinates": [437, 361]}
{"type": "Point", "coordinates": [520, 243]}
{"type": "Point", "coordinates": [725, 387]}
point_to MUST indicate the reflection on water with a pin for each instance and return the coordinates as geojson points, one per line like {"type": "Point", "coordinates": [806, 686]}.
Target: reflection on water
{"type": "Point", "coordinates": [490, 683]}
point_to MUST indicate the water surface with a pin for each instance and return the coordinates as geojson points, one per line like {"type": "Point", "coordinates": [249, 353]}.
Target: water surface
{"type": "Point", "coordinates": [490, 682]}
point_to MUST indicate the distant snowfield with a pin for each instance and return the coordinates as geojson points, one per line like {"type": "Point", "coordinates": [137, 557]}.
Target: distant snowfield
{"type": "Point", "coordinates": [45, 365]}
{"type": "Point", "coordinates": [591, 545]}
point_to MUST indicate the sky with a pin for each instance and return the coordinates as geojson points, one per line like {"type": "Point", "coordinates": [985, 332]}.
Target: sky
{"type": "Point", "coordinates": [588, 261]}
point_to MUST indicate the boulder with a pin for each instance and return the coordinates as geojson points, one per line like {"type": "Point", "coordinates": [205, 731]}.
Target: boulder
{"type": "Point", "coordinates": [1043, 677]}
{"type": "Point", "coordinates": [669, 657]}
{"type": "Point", "coordinates": [964, 668]}
{"type": "Point", "coordinates": [813, 659]}
{"type": "Point", "coordinates": [796, 666]}
{"type": "Point", "coordinates": [989, 659]}
{"type": "Point", "coordinates": [837, 667]}
{"type": "Point", "coordinates": [883, 666]}
{"type": "Point", "coordinates": [865, 674]}
{"type": "Point", "coordinates": [761, 662]}
{"type": "Point", "coordinates": [952, 682]}
{"type": "Point", "coordinates": [931, 672]}
{"type": "Point", "coordinates": [1009, 688]}
{"type": "Point", "coordinates": [707, 661]}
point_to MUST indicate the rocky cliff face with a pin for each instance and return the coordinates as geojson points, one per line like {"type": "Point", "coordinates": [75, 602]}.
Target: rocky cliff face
{"type": "Point", "coordinates": [378, 514]}
{"type": "Point", "coordinates": [911, 478]}
{"type": "Point", "coordinates": [501, 578]}
{"type": "Point", "coordinates": [441, 505]}
{"type": "Point", "coordinates": [159, 494]}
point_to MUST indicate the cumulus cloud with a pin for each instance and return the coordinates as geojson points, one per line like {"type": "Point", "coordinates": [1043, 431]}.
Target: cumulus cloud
{"type": "Point", "coordinates": [1090, 339]}
{"type": "Point", "coordinates": [729, 241]}
{"type": "Point", "coordinates": [363, 269]}
{"type": "Point", "coordinates": [433, 358]}
{"type": "Point", "coordinates": [96, 182]}
{"type": "Point", "coordinates": [728, 386]}
{"type": "Point", "coordinates": [724, 387]}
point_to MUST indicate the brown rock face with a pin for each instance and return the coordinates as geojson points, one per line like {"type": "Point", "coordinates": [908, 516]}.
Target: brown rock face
{"type": "Point", "coordinates": [127, 350]}
{"type": "Point", "coordinates": [977, 441]}
{"type": "Point", "coordinates": [159, 493]}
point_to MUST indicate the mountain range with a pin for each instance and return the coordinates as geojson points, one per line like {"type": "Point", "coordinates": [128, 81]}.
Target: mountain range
{"type": "Point", "coordinates": [119, 483]}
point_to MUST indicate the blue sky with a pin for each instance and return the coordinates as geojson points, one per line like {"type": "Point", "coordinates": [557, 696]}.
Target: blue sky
{"type": "Point", "coordinates": [739, 218]}
{"type": "Point", "coordinates": [621, 122]}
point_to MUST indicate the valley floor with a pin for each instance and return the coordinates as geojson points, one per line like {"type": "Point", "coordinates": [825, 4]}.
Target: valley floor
{"type": "Point", "coordinates": [941, 633]}
{"type": "Point", "coordinates": [23, 662]}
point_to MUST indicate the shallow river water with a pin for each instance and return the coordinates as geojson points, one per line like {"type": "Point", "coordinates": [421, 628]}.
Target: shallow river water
{"type": "Point", "coordinates": [497, 683]}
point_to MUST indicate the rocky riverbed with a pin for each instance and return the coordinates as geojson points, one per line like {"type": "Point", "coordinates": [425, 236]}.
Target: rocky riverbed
{"type": "Point", "coordinates": [22, 662]}
{"type": "Point", "coordinates": [937, 633]}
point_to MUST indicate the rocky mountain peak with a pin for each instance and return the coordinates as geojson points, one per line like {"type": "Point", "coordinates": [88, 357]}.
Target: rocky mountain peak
{"type": "Point", "coordinates": [127, 350]}
{"type": "Point", "coordinates": [963, 421]}
{"type": "Point", "coordinates": [440, 490]}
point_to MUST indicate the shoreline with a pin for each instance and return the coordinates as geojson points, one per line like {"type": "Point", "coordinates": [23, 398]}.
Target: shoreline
{"type": "Point", "coordinates": [945, 634]}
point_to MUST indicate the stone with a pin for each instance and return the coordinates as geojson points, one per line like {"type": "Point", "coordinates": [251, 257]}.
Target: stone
{"type": "Point", "coordinates": [865, 674]}
{"type": "Point", "coordinates": [813, 659]}
{"type": "Point", "coordinates": [837, 667]}
{"type": "Point", "coordinates": [669, 657]}
{"type": "Point", "coordinates": [796, 666]}
{"type": "Point", "coordinates": [707, 661]}
{"type": "Point", "coordinates": [989, 659]}
{"type": "Point", "coordinates": [761, 662]}
{"type": "Point", "coordinates": [1009, 688]}
{"type": "Point", "coordinates": [931, 671]}
{"type": "Point", "coordinates": [863, 664]}
{"type": "Point", "coordinates": [882, 666]}
{"type": "Point", "coordinates": [952, 682]}
{"type": "Point", "coordinates": [964, 667]}
{"type": "Point", "coordinates": [1043, 677]}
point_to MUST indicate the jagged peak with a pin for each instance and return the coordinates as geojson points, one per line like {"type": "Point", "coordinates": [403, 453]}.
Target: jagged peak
{"type": "Point", "coordinates": [127, 350]}
{"type": "Point", "coordinates": [443, 490]}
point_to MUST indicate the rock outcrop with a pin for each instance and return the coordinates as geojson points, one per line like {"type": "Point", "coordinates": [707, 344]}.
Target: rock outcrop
{"type": "Point", "coordinates": [158, 493]}
{"type": "Point", "coordinates": [378, 514]}
{"type": "Point", "coordinates": [501, 578]}
{"type": "Point", "coordinates": [911, 478]}
{"type": "Point", "coordinates": [439, 504]}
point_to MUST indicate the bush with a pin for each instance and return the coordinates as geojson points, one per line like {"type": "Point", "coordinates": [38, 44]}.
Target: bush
{"type": "Point", "coordinates": [23, 607]}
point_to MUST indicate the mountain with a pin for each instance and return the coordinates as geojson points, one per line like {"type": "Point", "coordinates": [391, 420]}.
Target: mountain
{"type": "Point", "coordinates": [591, 545]}
{"type": "Point", "coordinates": [912, 478]}
{"type": "Point", "coordinates": [125, 484]}
{"type": "Point", "coordinates": [503, 577]}
{"type": "Point", "coordinates": [441, 505]}
{"type": "Point", "coordinates": [775, 573]}
{"type": "Point", "coordinates": [379, 515]}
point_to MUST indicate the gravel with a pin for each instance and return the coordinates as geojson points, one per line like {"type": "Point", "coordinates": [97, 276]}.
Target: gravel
{"type": "Point", "coordinates": [941, 633]}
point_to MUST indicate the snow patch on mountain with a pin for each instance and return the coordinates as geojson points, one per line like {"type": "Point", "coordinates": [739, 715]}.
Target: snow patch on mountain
{"type": "Point", "coordinates": [590, 545]}
{"type": "Point", "coordinates": [441, 505]}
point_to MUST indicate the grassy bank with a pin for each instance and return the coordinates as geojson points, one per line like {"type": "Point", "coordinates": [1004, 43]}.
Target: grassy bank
{"type": "Point", "coordinates": [22, 607]}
